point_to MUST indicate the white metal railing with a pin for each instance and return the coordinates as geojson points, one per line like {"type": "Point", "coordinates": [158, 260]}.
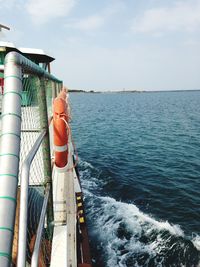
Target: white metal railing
{"type": "Point", "coordinates": [36, 251]}
{"type": "Point", "coordinates": [21, 259]}
{"type": "Point", "coordinates": [15, 65]}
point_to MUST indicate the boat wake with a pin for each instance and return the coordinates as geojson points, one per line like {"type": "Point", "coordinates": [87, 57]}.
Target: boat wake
{"type": "Point", "coordinates": [128, 237]}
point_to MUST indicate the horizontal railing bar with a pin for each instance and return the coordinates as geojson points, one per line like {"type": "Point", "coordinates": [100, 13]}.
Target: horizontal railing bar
{"type": "Point", "coordinates": [28, 66]}
{"type": "Point", "coordinates": [35, 256]}
{"type": "Point", "coordinates": [21, 261]}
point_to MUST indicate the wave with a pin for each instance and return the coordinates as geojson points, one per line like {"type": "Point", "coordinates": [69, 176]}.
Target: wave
{"type": "Point", "coordinates": [128, 237]}
{"type": "Point", "coordinates": [196, 241]}
{"type": "Point", "coordinates": [85, 164]}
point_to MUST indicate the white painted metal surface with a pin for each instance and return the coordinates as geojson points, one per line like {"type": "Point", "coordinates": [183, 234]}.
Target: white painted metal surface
{"type": "Point", "coordinates": [31, 51]}
{"type": "Point", "coordinates": [59, 247]}
{"type": "Point", "coordinates": [71, 221]}
{"type": "Point", "coordinates": [65, 184]}
{"type": "Point", "coordinates": [77, 187]}
{"type": "Point", "coordinates": [59, 197]}
{"type": "Point", "coordinates": [7, 44]}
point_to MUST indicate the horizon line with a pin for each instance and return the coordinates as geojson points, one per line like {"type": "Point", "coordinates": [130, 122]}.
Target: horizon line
{"type": "Point", "coordinates": [128, 91]}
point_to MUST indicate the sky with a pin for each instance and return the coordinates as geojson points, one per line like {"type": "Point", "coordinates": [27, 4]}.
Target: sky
{"type": "Point", "coordinates": [111, 44]}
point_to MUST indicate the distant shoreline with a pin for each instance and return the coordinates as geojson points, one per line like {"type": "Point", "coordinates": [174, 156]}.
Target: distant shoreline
{"type": "Point", "coordinates": [131, 91]}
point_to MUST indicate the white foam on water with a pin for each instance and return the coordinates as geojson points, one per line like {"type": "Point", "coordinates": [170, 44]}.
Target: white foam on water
{"type": "Point", "coordinates": [85, 164]}
{"type": "Point", "coordinates": [196, 242]}
{"type": "Point", "coordinates": [131, 212]}
{"type": "Point", "coordinates": [89, 181]}
{"type": "Point", "coordinates": [121, 227]}
{"type": "Point", "coordinates": [115, 215]}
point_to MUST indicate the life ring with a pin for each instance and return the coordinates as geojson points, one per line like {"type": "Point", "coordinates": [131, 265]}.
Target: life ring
{"type": "Point", "coordinates": [60, 131]}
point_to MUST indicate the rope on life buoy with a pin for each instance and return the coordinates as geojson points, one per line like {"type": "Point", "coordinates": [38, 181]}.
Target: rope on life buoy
{"type": "Point", "coordinates": [75, 150]}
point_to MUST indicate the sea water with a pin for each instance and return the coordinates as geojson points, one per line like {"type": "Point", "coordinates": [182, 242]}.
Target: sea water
{"type": "Point", "coordinates": [139, 162]}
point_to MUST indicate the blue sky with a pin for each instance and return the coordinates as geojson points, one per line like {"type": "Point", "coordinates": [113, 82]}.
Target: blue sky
{"type": "Point", "coordinates": [112, 44]}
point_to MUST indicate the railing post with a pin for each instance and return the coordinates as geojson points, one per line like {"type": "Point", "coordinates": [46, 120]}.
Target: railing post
{"type": "Point", "coordinates": [35, 256]}
{"type": "Point", "coordinates": [54, 93]}
{"type": "Point", "coordinates": [46, 149]}
{"type": "Point", "coordinates": [9, 155]}
{"type": "Point", "coordinates": [59, 87]}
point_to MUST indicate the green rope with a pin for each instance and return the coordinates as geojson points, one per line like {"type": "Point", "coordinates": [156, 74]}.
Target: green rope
{"type": "Point", "coordinates": [8, 198]}
{"type": "Point", "coordinates": [13, 92]}
{"type": "Point", "coordinates": [6, 255]}
{"type": "Point", "coordinates": [10, 134]}
{"type": "Point", "coordinates": [8, 174]}
{"type": "Point", "coordinates": [14, 114]}
{"type": "Point", "coordinates": [6, 229]}
{"type": "Point", "coordinates": [13, 76]}
{"type": "Point", "coordinates": [9, 154]}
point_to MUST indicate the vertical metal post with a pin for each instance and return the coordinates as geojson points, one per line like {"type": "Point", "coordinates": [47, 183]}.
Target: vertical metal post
{"type": "Point", "coordinates": [60, 87]}
{"type": "Point", "coordinates": [55, 85]}
{"type": "Point", "coordinates": [46, 148]}
{"type": "Point", "coordinates": [9, 155]}
{"type": "Point", "coordinates": [54, 91]}
{"type": "Point", "coordinates": [35, 256]}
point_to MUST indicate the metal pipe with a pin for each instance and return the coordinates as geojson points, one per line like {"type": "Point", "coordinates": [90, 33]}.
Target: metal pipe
{"type": "Point", "coordinates": [4, 27]}
{"type": "Point", "coordinates": [46, 149]}
{"type": "Point", "coordinates": [35, 256]}
{"type": "Point", "coordinates": [9, 156]}
{"type": "Point", "coordinates": [57, 90]}
{"type": "Point", "coordinates": [21, 260]}
{"type": "Point", "coordinates": [29, 66]}
{"type": "Point", "coordinates": [54, 91]}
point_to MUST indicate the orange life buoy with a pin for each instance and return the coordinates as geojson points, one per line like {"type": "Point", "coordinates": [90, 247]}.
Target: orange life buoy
{"type": "Point", "coordinates": [60, 132]}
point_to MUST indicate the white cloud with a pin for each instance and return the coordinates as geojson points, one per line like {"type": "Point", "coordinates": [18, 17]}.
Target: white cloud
{"type": "Point", "coordinates": [9, 4]}
{"type": "Point", "coordinates": [89, 23]}
{"type": "Point", "coordinates": [191, 42]}
{"type": "Point", "coordinates": [115, 7]}
{"type": "Point", "coordinates": [42, 11]}
{"type": "Point", "coordinates": [96, 21]}
{"type": "Point", "coordinates": [182, 16]}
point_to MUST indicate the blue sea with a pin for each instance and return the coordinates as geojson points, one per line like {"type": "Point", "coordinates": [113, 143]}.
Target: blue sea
{"type": "Point", "coordinates": [139, 163]}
